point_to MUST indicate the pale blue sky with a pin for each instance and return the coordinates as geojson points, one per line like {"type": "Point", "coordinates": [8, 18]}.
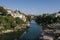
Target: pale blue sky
{"type": "Point", "coordinates": [35, 7]}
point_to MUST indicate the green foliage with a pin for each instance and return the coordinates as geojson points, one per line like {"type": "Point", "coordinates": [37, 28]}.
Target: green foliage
{"type": "Point", "coordinates": [7, 22]}
{"type": "Point", "coordinates": [47, 19]}
{"type": "Point", "coordinates": [28, 18]}
{"type": "Point", "coordinates": [3, 11]}
{"type": "Point", "coordinates": [7, 26]}
{"type": "Point", "coordinates": [19, 21]}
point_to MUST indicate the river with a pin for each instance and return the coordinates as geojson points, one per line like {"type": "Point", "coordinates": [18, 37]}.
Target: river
{"type": "Point", "coordinates": [31, 33]}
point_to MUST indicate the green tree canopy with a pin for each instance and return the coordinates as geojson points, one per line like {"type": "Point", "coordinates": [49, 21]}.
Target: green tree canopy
{"type": "Point", "coordinates": [2, 11]}
{"type": "Point", "coordinates": [19, 21]}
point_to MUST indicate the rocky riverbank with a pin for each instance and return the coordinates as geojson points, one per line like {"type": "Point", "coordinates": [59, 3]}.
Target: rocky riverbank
{"type": "Point", "coordinates": [17, 28]}
{"type": "Point", "coordinates": [52, 32]}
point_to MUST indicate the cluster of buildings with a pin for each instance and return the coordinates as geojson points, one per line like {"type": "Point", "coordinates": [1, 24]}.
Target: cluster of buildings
{"type": "Point", "coordinates": [53, 14]}
{"type": "Point", "coordinates": [56, 14]}
{"type": "Point", "coordinates": [16, 14]}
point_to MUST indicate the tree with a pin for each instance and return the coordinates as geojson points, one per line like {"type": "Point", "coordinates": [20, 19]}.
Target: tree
{"type": "Point", "coordinates": [19, 21]}
{"type": "Point", "coordinates": [28, 18]}
{"type": "Point", "coordinates": [3, 11]}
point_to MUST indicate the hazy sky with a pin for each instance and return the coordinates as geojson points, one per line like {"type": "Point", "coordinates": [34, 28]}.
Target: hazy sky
{"type": "Point", "coordinates": [32, 6]}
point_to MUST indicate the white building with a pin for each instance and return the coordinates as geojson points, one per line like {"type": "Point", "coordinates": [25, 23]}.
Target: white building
{"type": "Point", "coordinates": [57, 14]}
{"type": "Point", "coordinates": [16, 14]}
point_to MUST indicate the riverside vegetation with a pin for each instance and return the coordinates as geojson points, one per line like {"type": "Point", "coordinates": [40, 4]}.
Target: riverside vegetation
{"type": "Point", "coordinates": [46, 20]}
{"type": "Point", "coordinates": [50, 23]}
{"type": "Point", "coordinates": [8, 22]}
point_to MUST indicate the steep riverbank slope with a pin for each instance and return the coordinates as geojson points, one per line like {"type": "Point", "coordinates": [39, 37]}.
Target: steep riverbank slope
{"type": "Point", "coordinates": [12, 21]}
